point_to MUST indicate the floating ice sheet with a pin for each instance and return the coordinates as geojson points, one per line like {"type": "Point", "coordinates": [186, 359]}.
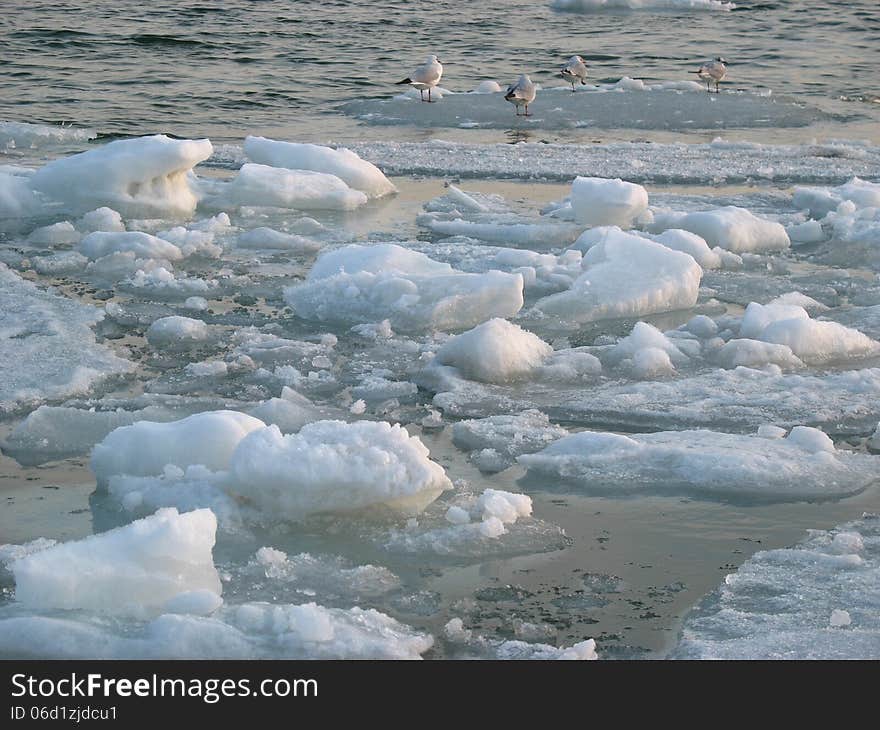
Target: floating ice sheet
{"type": "Point", "coordinates": [790, 603]}
{"type": "Point", "coordinates": [740, 400]}
{"type": "Point", "coordinates": [47, 347]}
{"type": "Point", "coordinates": [706, 464]}
{"type": "Point", "coordinates": [632, 105]}
{"type": "Point", "coordinates": [719, 162]}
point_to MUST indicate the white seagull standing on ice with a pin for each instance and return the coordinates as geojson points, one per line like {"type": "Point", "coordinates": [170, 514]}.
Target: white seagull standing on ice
{"type": "Point", "coordinates": [575, 70]}
{"type": "Point", "coordinates": [426, 76]}
{"type": "Point", "coordinates": [522, 93]}
{"type": "Point", "coordinates": [713, 71]}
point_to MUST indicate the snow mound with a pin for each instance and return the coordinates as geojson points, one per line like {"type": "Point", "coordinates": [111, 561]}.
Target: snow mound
{"type": "Point", "coordinates": [494, 352]}
{"type": "Point", "coordinates": [731, 228]}
{"type": "Point", "coordinates": [145, 448]}
{"type": "Point", "coordinates": [146, 177]}
{"type": "Point", "coordinates": [134, 570]}
{"type": "Point", "coordinates": [789, 603]}
{"type": "Point", "coordinates": [364, 284]}
{"type": "Point", "coordinates": [279, 187]}
{"type": "Point", "coordinates": [599, 201]}
{"type": "Point", "coordinates": [343, 163]}
{"type": "Point", "coordinates": [626, 276]}
{"type": "Point", "coordinates": [708, 464]}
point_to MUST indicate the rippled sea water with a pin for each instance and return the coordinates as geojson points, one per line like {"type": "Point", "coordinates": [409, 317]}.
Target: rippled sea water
{"type": "Point", "coordinates": [228, 68]}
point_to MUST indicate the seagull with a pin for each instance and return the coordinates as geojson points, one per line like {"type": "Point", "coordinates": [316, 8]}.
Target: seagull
{"type": "Point", "coordinates": [575, 70]}
{"type": "Point", "coordinates": [426, 76]}
{"type": "Point", "coordinates": [522, 93]}
{"type": "Point", "coordinates": [713, 71]}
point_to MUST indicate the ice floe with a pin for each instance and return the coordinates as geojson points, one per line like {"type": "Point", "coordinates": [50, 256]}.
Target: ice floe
{"type": "Point", "coordinates": [255, 630]}
{"type": "Point", "coordinates": [49, 350]}
{"type": "Point", "coordinates": [496, 351]}
{"type": "Point", "coordinates": [675, 105]}
{"type": "Point", "coordinates": [495, 442]}
{"type": "Point", "coordinates": [343, 163]}
{"type": "Point", "coordinates": [363, 284]}
{"type": "Point", "coordinates": [816, 600]}
{"type": "Point", "coordinates": [731, 228]}
{"type": "Point", "coordinates": [720, 161]}
{"type": "Point", "coordinates": [707, 464]}
{"type": "Point", "coordinates": [467, 644]}
{"type": "Point", "coordinates": [213, 459]}
{"type": "Point", "coordinates": [280, 187]}
{"type": "Point", "coordinates": [602, 202]}
{"type": "Point", "coordinates": [625, 275]}
{"type": "Point", "coordinates": [146, 176]}
{"type": "Point", "coordinates": [136, 570]}
{"type": "Point", "coordinates": [145, 448]}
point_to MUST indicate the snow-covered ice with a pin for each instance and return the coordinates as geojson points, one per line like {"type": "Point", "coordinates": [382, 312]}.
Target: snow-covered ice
{"type": "Point", "coordinates": [334, 466]}
{"type": "Point", "coordinates": [816, 600]}
{"type": "Point", "coordinates": [48, 349]}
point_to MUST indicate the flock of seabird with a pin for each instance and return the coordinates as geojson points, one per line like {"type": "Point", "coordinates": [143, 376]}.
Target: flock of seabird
{"type": "Point", "coordinates": [523, 92]}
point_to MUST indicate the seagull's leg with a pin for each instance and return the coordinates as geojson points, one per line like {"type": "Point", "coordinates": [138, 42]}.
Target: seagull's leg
{"type": "Point", "coordinates": [572, 87]}
{"type": "Point", "coordinates": [429, 94]}
{"type": "Point", "coordinates": [421, 94]}
{"type": "Point", "coordinates": [527, 111]}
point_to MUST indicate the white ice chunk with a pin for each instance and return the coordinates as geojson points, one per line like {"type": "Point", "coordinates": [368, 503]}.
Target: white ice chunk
{"type": "Point", "coordinates": [268, 238]}
{"type": "Point", "coordinates": [145, 448]}
{"type": "Point", "coordinates": [343, 163]}
{"type": "Point", "coordinates": [143, 177]}
{"type": "Point", "coordinates": [496, 351]}
{"type": "Point", "coordinates": [731, 228]}
{"type": "Point", "coordinates": [282, 188]}
{"type": "Point", "coordinates": [176, 331]}
{"type": "Point", "coordinates": [365, 284]}
{"type": "Point", "coordinates": [600, 201]}
{"type": "Point", "coordinates": [626, 276]}
{"type": "Point", "coordinates": [811, 340]}
{"type": "Point", "coordinates": [707, 464]}
{"type": "Point", "coordinates": [133, 570]}
{"type": "Point", "coordinates": [47, 347]}
{"type": "Point", "coordinates": [335, 466]}
{"type": "Point", "coordinates": [142, 245]}
{"type": "Point", "coordinates": [246, 631]}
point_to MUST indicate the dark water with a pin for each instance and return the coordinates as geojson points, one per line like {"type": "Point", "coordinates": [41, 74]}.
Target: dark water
{"type": "Point", "coordinates": [223, 69]}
